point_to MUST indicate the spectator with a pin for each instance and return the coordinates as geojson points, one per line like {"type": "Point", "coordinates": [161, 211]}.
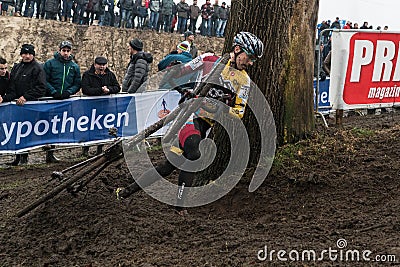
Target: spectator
{"type": "Point", "coordinates": [63, 78]}
{"type": "Point", "coordinates": [66, 10]}
{"type": "Point", "coordinates": [215, 19]}
{"type": "Point", "coordinates": [174, 17]}
{"type": "Point", "coordinates": [62, 73]}
{"type": "Point", "coordinates": [6, 7]}
{"type": "Point", "coordinates": [364, 26]}
{"type": "Point", "coordinates": [327, 64]}
{"type": "Point", "coordinates": [117, 21]}
{"type": "Point", "coordinates": [39, 8]}
{"type": "Point", "coordinates": [135, 14]}
{"type": "Point", "coordinates": [166, 11]}
{"type": "Point", "coordinates": [27, 82]}
{"type": "Point", "coordinates": [336, 24]}
{"type": "Point", "coordinates": [92, 11]}
{"type": "Point", "coordinates": [18, 7]}
{"type": "Point", "coordinates": [189, 36]}
{"type": "Point", "coordinates": [160, 21]}
{"type": "Point", "coordinates": [385, 28]}
{"type": "Point", "coordinates": [52, 7]}
{"type": "Point", "coordinates": [206, 12]}
{"type": "Point", "coordinates": [142, 16]}
{"type": "Point", "coordinates": [319, 73]}
{"type": "Point", "coordinates": [4, 77]}
{"type": "Point", "coordinates": [42, 9]}
{"type": "Point", "coordinates": [30, 7]}
{"type": "Point", "coordinates": [355, 26]}
{"type": "Point", "coordinates": [223, 18]}
{"type": "Point", "coordinates": [79, 12]}
{"type": "Point", "coordinates": [27, 78]}
{"type": "Point", "coordinates": [194, 13]}
{"type": "Point", "coordinates": [98, 11]}
{"type": "Point", "coordinates": [98, 81]}
{"type": "Point", "coordinates": [126, 7]}
{"type": "Point", "coordinates": [138, 67]}
{"type": "Point", "coordinates": [183, 9]}
{"type": "Point", "coordinates": [154, 14]}
{"type": "Point", "coordinates": [348, 25]}
{"type": "Point", "coordinates": [181, 55]}
{"type": "Point", "coordinates": [325, 34]}
{"type": "Point", "coordinates": [108, 19]}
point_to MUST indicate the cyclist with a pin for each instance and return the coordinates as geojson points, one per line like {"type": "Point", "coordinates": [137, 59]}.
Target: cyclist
{"type": "Point", "coordinates": [245, 50]}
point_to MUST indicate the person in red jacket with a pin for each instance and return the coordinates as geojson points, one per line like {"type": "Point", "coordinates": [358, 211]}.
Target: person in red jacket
{"type": "Point", "coordinates": [348, 26]}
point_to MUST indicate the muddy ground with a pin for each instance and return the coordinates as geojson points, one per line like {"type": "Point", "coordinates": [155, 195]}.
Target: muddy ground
{"type": "Point", "coordinates": [341, 185]}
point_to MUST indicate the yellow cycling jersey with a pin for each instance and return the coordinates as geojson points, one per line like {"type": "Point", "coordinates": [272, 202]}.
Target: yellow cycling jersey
{"type": "Point", "coordinates": [238, 82]}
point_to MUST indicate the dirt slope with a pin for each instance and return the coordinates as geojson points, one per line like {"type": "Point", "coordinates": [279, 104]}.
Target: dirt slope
{"type": "Point", "coordinates": [339, 184]}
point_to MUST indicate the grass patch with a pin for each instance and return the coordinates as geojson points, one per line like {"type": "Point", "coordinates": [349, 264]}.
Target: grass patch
{"type": "Point", "coordinates": [360, 132]}
{"type": "Point", "coordinates": [11, 186]}
{"type": "Point", "coordinates": [287, 153]}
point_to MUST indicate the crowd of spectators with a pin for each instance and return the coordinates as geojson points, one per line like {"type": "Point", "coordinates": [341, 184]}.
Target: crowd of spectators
{"type": "Point", "coordinates": [324, 43]}
{"type": "Point", "coordinates": [342, 24]}
{"type": "Point", "coordinates": [60, 77]}
{"type": "Point", "coordinates": [156, 15]}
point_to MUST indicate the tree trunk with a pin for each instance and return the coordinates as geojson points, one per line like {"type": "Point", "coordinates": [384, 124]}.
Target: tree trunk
{"type": "Point", "coordinates": [284, 74]}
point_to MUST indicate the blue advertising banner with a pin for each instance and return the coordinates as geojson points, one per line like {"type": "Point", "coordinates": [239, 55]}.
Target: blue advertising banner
{"type": "Point", "coordinates": [76, 120]}
{"type": "Point", "coordinates": [323, 95]}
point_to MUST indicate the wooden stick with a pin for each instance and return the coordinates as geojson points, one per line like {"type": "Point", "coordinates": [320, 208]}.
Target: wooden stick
{"type": "Point", "coordinates": [61, 187]}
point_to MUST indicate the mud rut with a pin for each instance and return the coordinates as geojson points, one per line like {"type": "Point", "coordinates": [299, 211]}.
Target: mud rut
{"type": "Point", "coordinates": [339, 184]}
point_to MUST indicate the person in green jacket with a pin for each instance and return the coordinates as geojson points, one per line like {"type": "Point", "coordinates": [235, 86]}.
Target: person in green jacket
{"type": "Point", "coordinates": [63, 75]}
{"type": "Point", "coordinates": [63, 78]}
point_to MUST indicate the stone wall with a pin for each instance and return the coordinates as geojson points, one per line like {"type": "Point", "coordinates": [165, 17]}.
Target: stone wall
{"type": "Point", "coordinates": [88, 42]}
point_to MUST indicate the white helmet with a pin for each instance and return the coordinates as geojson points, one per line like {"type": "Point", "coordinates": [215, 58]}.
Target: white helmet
{"type": "Point", "coordinates": [249, 42]}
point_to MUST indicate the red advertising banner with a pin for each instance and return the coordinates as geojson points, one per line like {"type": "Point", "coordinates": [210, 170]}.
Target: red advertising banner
{"type": "Point", "coordinates": [373, 69]}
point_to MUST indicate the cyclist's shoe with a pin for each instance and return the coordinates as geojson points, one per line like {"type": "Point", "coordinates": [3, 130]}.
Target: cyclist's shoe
{"type": "Point", "coordinates": [121, 193]}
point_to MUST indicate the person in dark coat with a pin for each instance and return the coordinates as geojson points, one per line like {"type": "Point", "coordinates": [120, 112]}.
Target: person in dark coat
{"type": "Point", "coordinates": [27, 83]}
{"type": "Point", "coordinates": [194, 12]}
{"type": "Point", "coordinates": [167, 14]}
{"type": "Point", "coordinates": [97, 81]}
{"type": "Point", "coordinates": [52, 7]}
{"type": "Point", "coordinates": [126, 7]}
{"type": "Point", "coordinates": [183, 9]}
{"type": "Point", "coordinates": [138, 68]}
{"type": "Point", "coordinates": [336, 24]}
{"type": "Point", "coordinates": [189, 36]}
{"type": "Point", "coordinates": [4, 77]}
{"type": "Point", "coordinates": [28, 79]}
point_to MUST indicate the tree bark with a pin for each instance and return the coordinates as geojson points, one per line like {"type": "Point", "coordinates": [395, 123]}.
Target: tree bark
{"type": "Point", "coordinates": [285, 72]}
